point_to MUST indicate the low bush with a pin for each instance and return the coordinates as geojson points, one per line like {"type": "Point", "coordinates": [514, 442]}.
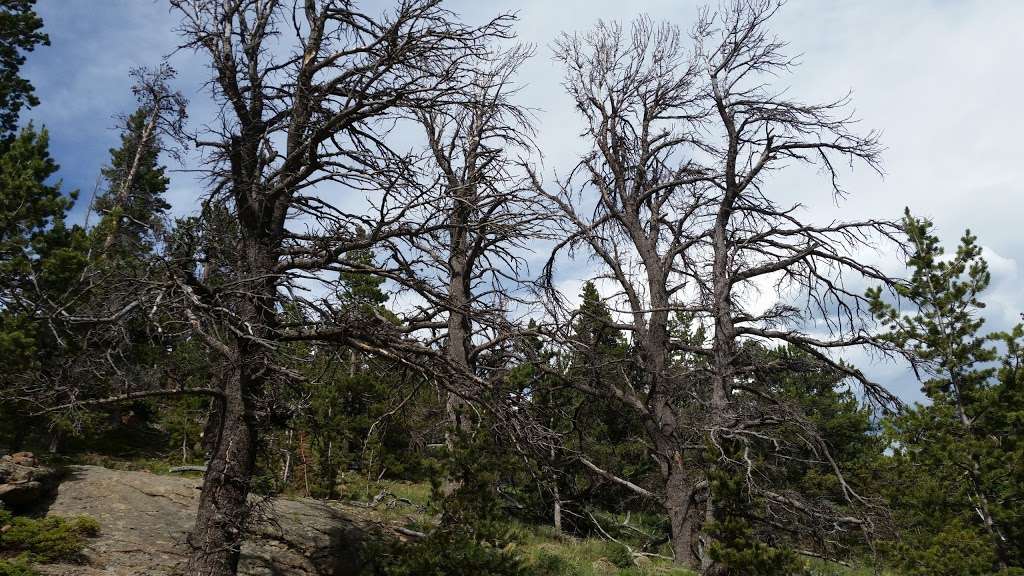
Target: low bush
{"type": "Point", "coordinates": [448, 553]}
{"type": "Point", "coordinates": [25, 540]}
{"type": "Point", "coordinates": [16, 567]}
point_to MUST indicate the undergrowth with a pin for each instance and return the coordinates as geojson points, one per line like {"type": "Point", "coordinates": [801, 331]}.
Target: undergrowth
{"type": "Point", "coordinates": [25, 541]}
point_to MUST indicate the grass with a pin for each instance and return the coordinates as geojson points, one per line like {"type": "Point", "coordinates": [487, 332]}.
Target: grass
{"type": "Point", "coordinates": [822, 568]}
{"type": "Point", "coordinates": [406, 504]}
{"type": "Point", "coordinates": [356, 487]}
{"type": "Point", "coordinates": [589, 556]}
{"type": "Point", "coordinates": [388, 502]}
{"type": "Point", "coordinates": [154, 465]}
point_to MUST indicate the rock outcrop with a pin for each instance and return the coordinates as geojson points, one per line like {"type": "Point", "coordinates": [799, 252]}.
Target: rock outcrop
{"type": "Point", "coordinates": [144, 519]}
{"type": "Point", "coordinates": [23, 482]}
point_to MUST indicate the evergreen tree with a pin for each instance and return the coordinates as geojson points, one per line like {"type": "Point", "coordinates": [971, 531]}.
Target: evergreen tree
{"type": "Point", "coordinates": [346, 393]}
{"type": "Point", "coordinates": [591, 428]}
{"type": "Point", "coordinates": [133, 204]}
{"type": "Point", "coordinates": [834, 468]}
{"type": "Point", "coordinates": [593, 328]}
{"type": "Point", "coordinates": [39, 257]}
{"type": "Point", "coordinates": [32, 209]}
{"type": "Point", "coordinates": [737, 545]}
{"type": "Point", "coordinates": [603, 432]}
{"type": "Point", "coordinates": [958, 462]}
{"type": "Point", "coordinates": [31, 212]}
{"type": "Point", "coordinates": [20, 32]}
{"type": "Point", "coordinates": [821, 397]}
{"type": "Point", "coordinates": [361, 292]}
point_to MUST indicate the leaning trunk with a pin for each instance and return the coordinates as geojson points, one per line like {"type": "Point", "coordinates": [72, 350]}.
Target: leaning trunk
{"type": "Point", "coordinates": [216, 538]}
{"type": "Point", "coordinates": [220, 522]}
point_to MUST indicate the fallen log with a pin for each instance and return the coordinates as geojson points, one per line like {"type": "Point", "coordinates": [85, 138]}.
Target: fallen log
{"type": "Point", "coordinates": [179, 469]}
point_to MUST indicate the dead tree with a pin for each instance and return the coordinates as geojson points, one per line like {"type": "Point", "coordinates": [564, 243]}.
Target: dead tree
{"type": "Point", "coordinates": [464, 271]}
{"type": "Point", "coordinates": [307, 94]}
{"type": "Point", "coordinates": [684, 225]}
{"type": "Point", "coordinates": [815, 271]}
{"type": "Point", "coordinates": [634, 90]}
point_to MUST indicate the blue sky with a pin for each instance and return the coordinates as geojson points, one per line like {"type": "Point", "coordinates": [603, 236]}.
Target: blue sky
{"type": "Point", "coordinates": [941, 79]}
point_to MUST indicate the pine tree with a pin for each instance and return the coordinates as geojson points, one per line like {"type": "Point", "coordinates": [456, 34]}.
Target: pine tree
{"type": "Point", "coordinates": [594, 329]}
{"type": "Point", "coordinates": [362, 291]}
{"type": "Point", "coordinates": [592, 429]}
{"type": "Point", "coordinates": [20, 32]}
{"type": "Point", "coordinates": [133, 204]}
{"type": "Point", "coordinates": [958, 460]}
{"type": "Point", "coordinates": [32, 232]}
{"type": "Point", "coordinates": [29, 206]}
{"type": "Point", "coordinates": [603, 432]}
{"type": "Point", "coordinates": [40, 256]}
{"type": "Point", "coordinates": [348, 392]}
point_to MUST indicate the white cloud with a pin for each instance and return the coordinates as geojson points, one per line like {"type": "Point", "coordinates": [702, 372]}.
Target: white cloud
{"type": "Point", "coordinates": [1004, 296]}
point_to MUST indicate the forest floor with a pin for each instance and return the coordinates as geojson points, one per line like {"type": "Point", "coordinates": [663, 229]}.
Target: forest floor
{"type": "Point", "coordinates": [142, 506]}
{"type": "Point", "coordinates": [144, 511]}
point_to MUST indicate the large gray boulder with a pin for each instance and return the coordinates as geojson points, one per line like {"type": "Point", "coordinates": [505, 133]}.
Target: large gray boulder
{"type": "Point", "coordinates": [144, 519]}
{"type": "Point", "coordinates": [23, 482]}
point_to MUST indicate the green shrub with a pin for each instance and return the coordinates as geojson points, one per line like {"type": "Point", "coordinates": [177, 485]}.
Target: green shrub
{"type": "Point", "coordinates": [448, 553]}
{"type": "Point", "coordinates": [86, 526]}
{"type": "Point", "coordinates": [620, 556]}
{"type": "Point", "coordinates": [547, 564]}
{"type": "Point", "coordinates": [957, 550]}
{"type": "Point", "coordinates": [44, 540]}
{"type": "Point", "coordinates": [736, 547]}
{"type": "Point", "coordinates": [16, 567]}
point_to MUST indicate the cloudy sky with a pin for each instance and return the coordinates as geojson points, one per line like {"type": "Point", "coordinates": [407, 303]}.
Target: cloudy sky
{"type": "Point", "coordinates": [940, 78]}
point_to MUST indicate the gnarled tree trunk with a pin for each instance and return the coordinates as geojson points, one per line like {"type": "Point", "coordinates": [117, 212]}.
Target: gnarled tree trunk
{"type": "Point", "coordinates": [220, 522]}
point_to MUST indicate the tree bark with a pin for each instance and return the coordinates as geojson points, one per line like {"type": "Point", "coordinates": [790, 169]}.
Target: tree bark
{"type": "Point", "coordinates": [220, 522]}
{"type": "Point", "coordinates": [723, 351]}
{"type": "Point", "coordinates": [217, 536]}
{"type": "Point", "coordinates": [678, 491]}
{"type": "Point", "coordinates": [459, 323]}
{"type": "Point", "coordinates": [679, 505]}
{"type": "Point", "coordinates": [558, 513]}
